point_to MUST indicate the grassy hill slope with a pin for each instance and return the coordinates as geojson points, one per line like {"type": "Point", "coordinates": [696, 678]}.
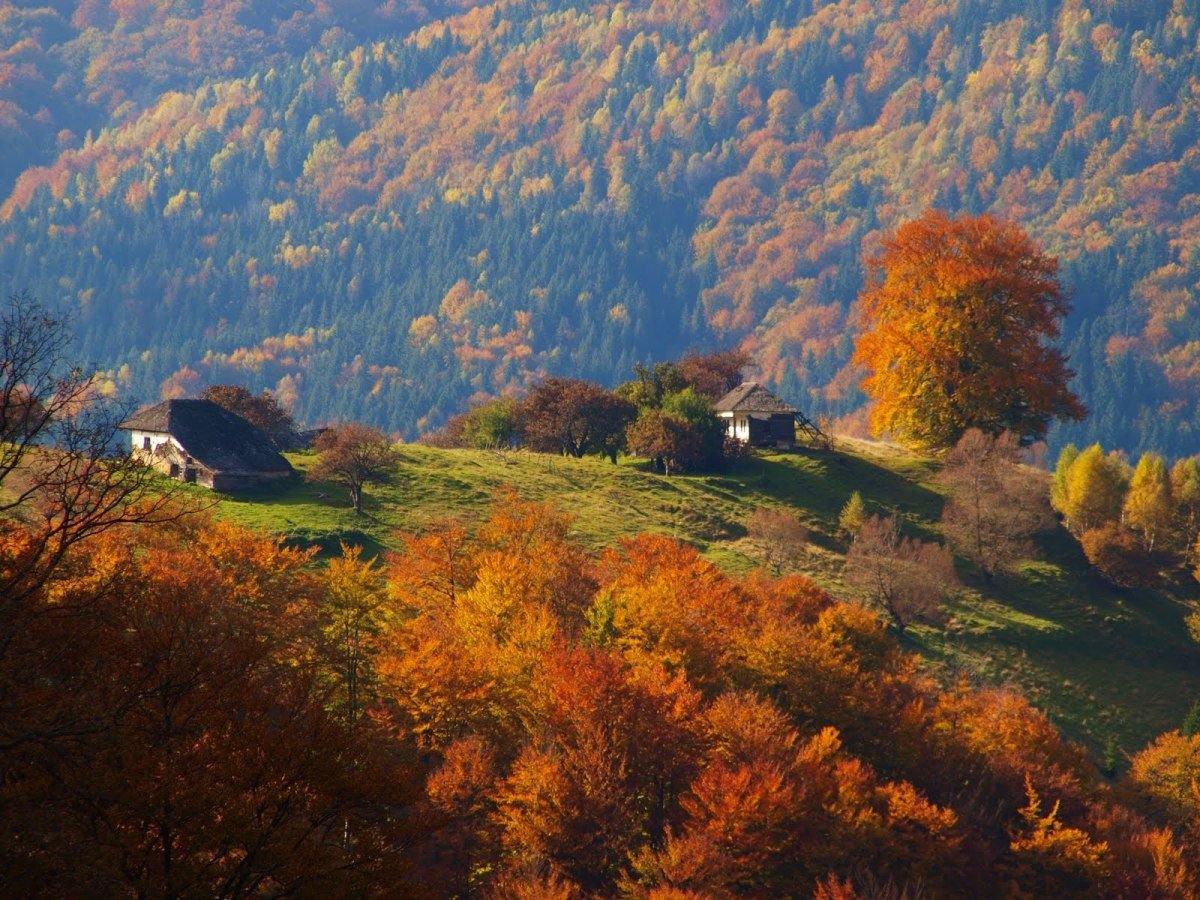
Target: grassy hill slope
{"type": "Point", "coordinates": [1104, 663]}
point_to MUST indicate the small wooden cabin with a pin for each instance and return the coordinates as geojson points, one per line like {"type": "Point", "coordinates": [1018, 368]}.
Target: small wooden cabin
{"type": "Point", "coordinates": [755, 415]}
{"type": "Point", "coordinates": [201, 442]}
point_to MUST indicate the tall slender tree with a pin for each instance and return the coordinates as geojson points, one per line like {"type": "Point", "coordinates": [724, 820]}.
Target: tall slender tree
{"type": "Point", "coordinates": [1149, 507]}
{"type": "Point", "coordinates": [1093, 489]}
{"type": "Point", "coordinates": [1185, 489]}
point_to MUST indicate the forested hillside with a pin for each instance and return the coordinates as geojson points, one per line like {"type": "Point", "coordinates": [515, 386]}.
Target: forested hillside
{"type": "Point", "coordinates": [380, 210]}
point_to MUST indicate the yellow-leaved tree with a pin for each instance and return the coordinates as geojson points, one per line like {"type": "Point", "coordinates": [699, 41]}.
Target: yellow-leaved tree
{"type": "Point", "coordinates": [1185, 491]}
{"type": "Point", "coordinates": [1091, 489]}
{"type": "Point", "coordinates": [1149, 507]}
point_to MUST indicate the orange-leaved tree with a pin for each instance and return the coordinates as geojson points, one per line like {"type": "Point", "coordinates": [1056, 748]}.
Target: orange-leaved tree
{"type": "Point", "coordinates": [263, 411]}
{"type": "Point", "coordinates": [353, 454]}
{"type": "Point", "coordinates": [958, 316]}
{"type": "Point", "coordinates": [168, 732]}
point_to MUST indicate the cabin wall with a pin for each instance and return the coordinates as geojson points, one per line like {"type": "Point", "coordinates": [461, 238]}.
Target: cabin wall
{"type": "Point", "coordinates": [159, 451]}
{"type": "Point", "coordinates": [782, 431]}
{"type": "Point", "coordinates": [145, 444]}
{"type": "Point", "coordinates": [737, 425]}
{"type": "Point", "coordinates": [760, 431]}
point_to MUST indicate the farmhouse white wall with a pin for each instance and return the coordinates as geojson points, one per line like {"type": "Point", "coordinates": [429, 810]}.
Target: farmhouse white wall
{"type": "Point", "coordinates": [736, 426]}
{"type": "Point", "coordinates": [157, 439]}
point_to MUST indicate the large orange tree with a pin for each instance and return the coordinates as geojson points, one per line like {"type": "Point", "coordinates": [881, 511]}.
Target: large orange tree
{"type": "Point", "coordinates": [958, 317]}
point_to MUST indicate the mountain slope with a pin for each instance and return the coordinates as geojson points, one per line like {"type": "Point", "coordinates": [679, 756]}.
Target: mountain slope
{"type": "Point", "coordinates": [382, 224]}
{"type": "Point", "coordinates": [1103, 663]}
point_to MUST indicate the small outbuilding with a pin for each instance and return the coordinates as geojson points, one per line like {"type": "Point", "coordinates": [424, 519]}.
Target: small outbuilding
{"type": "Point", "coordinates": [201, 442]}
{"type": "Point", "coordinates": [754, 414]}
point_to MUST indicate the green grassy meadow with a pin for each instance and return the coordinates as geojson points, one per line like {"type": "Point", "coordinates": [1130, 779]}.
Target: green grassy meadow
{"type": "Point", "coordinates": [1105, 664]}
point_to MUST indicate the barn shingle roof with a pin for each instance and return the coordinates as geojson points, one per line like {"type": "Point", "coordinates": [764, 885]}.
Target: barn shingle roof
{"type": "Point", "coordinates": [752, 397]}
{"type": "Point", "coordinates": [218, 439]}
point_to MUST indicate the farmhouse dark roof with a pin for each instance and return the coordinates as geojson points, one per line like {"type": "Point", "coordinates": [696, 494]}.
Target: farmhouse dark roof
{"type": "Point", "coordinates": [752, 397]}
{"type": "Point", "coordinates": [218, 439]}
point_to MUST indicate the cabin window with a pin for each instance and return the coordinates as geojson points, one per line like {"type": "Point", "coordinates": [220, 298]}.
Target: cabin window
{"type": "Point", "coordinates": [145, 443]}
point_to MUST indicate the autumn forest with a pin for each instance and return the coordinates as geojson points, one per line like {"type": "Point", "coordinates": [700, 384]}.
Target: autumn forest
{"type": "Point", "coordinates": [526, 615]}
{"type": "Point", "coordinates": [335, 201]}
{"type": "Point", "coordinates": [191, 710]}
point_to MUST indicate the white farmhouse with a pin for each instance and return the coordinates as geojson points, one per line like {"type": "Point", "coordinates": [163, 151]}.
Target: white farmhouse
{"type": "Point", "coordinates": [755, 415]}
{"type": "Point", "coordinates": [199, 441]}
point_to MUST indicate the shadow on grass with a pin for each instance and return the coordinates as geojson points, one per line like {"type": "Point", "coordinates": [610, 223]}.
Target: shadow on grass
{"type": "Point", "coordinates": [329, 544]}
{"type": "Point", "coordinates": [293, 491]}
{"type": "Point", "coordinates": [1064, 588]}
{"type": "Point", "coordinates": [822, 481]}
{"type": "Point", "coordinates": [1102, 661]}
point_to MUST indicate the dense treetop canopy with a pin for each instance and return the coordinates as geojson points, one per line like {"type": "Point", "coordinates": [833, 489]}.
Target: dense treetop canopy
{"type": "Point", "coordinates": [958, 320]}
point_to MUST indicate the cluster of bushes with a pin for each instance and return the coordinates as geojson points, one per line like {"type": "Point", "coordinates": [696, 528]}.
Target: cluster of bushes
{"type": "Point", "coordinates": [664, 414]}
{"type": "Point", "coordinates": [994, 504]}
{"type": "Point", "coordinates": [1131, 521]}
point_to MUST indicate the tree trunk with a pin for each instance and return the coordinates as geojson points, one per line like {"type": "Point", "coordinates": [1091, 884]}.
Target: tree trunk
{"type": "Point", "coordinates": [889, 606]}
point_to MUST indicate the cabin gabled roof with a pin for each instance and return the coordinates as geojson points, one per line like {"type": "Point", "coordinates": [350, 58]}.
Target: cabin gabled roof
{"type": "Point", "coordinates": [751, 397]}
{"type": "Point", "coordinates": [218, 439]}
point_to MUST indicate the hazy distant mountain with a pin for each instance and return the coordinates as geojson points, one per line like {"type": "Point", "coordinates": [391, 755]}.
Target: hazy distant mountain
{"type": "Point", "coordinates": [380, 210]}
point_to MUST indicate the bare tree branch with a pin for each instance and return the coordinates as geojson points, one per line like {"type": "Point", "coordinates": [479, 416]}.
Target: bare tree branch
{"type": "Point", "coordinates": [907, 579]}
{"type": "Point", "coordinates": [62, 478]}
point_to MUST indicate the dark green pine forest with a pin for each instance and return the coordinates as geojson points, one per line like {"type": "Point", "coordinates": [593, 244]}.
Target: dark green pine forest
{"type": "Point", "coordinates": [385, 212]}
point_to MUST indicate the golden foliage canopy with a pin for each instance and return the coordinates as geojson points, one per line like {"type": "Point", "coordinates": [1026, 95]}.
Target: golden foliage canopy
{"type": "Point", "coordinates": [500, 712]}
{"type": "Point", "coordinates": [957, 318]}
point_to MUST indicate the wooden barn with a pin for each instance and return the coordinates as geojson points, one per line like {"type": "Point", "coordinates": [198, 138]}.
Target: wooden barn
{"type": "Point", "coordinates": [754, 414]}
{"type": "Point", "coordinates": [201, 442]}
